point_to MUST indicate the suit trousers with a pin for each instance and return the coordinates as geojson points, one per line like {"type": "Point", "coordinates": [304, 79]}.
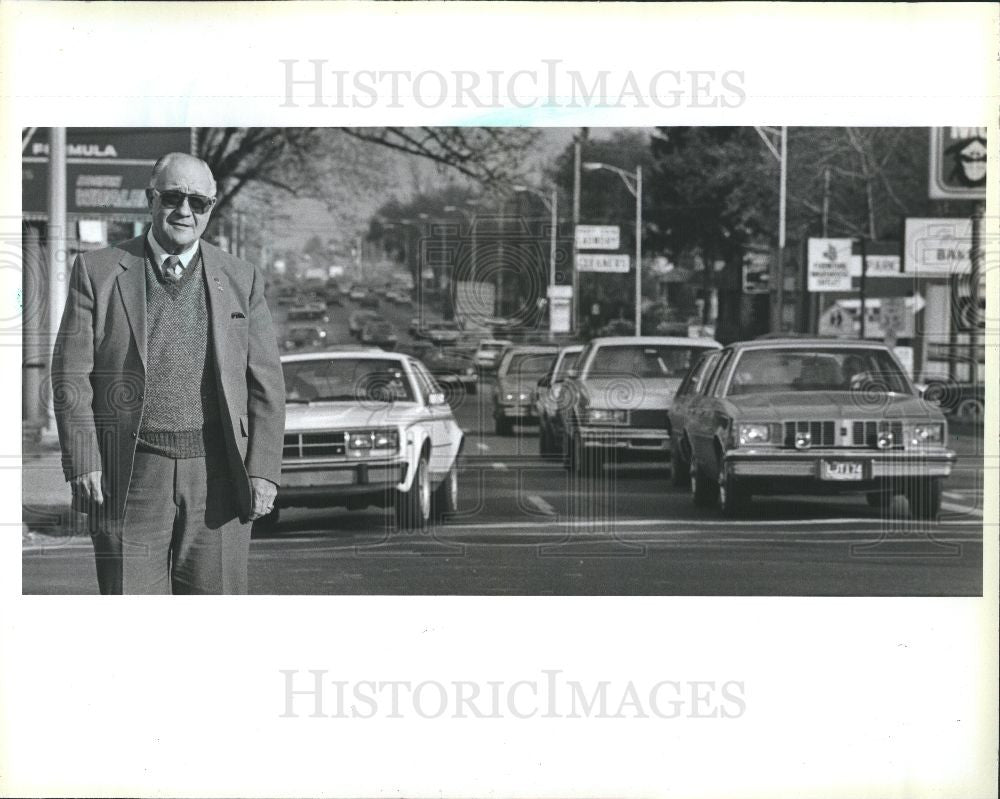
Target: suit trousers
{"type": "Point", "coordinates": [180, 532]}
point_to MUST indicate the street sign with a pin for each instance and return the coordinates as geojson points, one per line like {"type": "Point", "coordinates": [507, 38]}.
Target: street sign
{"type": "Point", "coordinates": [560, 292]}
{"type": "Point", "coordinates": [937, 247]}
{"type": "Point", "coordinates": [756, 273]}
{"type": "Point", "coordinates": [107, 169]}
{"type": "Point", "coordinates": [958, 164]}
{"type": "Point", "coordinates": [598, 237]}
{"type": "Point", "coordinates": [602, 263]}
{"type": "Point", "coordinates": [560, 306]}
{"type": "Point", "coordinates": [829, 265]}
{"type": "Point", "coordinates": [878, 266]}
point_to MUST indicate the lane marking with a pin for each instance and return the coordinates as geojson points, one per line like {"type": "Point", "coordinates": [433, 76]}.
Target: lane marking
{"type": "Point", "coordinates": [498, 466]}
{"type": "Point", "coordinates": [541, 504]}
{"type": "Point", "coordinates": [482, 447]}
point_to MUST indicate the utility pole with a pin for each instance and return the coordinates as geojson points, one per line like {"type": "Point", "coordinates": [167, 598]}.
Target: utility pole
{"type": "Point", "coordinates": [57, 243]}
{"type": "Point", "coordinates": [862, 286]}
{"type": "Point", "coordinates": [574, 279]}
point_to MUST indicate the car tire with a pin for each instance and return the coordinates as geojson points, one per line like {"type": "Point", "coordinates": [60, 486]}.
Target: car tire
{"type": "Point", "coordinates": [545, 448]}
{"type": "Point", "coordinates": [680, 469]}
{"type": "Point", "coordinates": [702, 487]}
{"type": "Point", "coordinates": [731, 494]}
{"type": "Point", "coordinates": [445, 499]}
{"type": "Point", "coordinates": [266, 525]}
{"type": "Point", "coordinates": [413, 507]}
{"type": "Point", "coordinates": [924, 498]}
{"type": "Point", "coordinates": [587, 463]}
{"type": "Point", "coordinates": [969, 410]}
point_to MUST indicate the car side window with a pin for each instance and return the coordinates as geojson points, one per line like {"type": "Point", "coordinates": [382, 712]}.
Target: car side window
{"type": "Point", "coordinates": [719, 376]}
{"type": "Point", "coordinates": [690, 382]}
{"type": "Point", "coordinates": [425, 385]}
{"type": "Point", "coordinates": [707, 386]}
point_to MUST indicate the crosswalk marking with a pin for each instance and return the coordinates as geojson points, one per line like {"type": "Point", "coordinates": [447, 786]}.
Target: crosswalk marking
{"type": "Point", "coordinates": [541, 504]}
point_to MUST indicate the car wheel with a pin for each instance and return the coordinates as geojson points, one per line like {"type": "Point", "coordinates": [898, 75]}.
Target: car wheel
{"type": "Point", "coordinates": [587, 462]}
{"type": "Point", "coordinates": [732, 496]}
{"type": "Point", "coordinates": [445, 499]}
{"type": "Point", "coordinates": [680, 469]}
{"type": "Point", "coordinates": [702, 488]}
{"type": "Point", "coordinates": [413, 507]}
{"type": "Point", "coordinates": [924, 498]}
{"type": "Point", "coordinates": [266, 525]}
{"type": "Point", "coordinates": [545, 448]}
{"type": "Point", "coordinates": [970, 410]}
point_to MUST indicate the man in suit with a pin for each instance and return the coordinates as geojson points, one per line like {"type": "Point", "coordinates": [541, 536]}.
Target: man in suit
{"type": "Point", "coordinates": [169, 398]}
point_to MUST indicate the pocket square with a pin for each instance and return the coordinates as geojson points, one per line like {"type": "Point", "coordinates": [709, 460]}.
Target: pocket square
{"type": "Point", "coordinates": [237, 315]}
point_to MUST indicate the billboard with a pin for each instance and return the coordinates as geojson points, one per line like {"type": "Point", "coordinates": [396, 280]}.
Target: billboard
{"type": "Point", "coordinates": [938, 247]}
{"type": "Point", "coordinates": [107, 169]}
{"type": "Point", "coordinates": [958, 164]}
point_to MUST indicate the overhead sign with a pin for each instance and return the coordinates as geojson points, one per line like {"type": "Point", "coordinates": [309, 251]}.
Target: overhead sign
{"type": "Point", "coordinates": [958, 164]}
{"type": "Point", "coordinates": [107, 169]}
{"type": "Point", "coordinates": [937, 247]}
{"type": "Point", "coordinates": [598, 237]}
{"type": "Point", "coordinates": [829, 265]}
{"type": "Point", "coordinates": [878, 266]}
{"type": "Point", "coordinates": [756, 273]}
{"type": "Point", "coordinates": [602, 263]}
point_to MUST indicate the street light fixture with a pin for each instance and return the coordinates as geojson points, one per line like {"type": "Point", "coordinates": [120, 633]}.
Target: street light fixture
{"type": "Point", "coordinates": [634, 185]}
{"type": "Point", "coordinates": [551, 202]}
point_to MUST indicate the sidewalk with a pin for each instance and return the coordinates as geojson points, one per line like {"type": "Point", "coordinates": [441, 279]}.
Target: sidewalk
{"type": "Point", "coordinates": [45, 494]}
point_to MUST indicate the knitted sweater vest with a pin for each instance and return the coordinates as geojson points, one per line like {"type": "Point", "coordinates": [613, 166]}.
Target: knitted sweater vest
{"type": "Point", "coordinates": [181, 409]}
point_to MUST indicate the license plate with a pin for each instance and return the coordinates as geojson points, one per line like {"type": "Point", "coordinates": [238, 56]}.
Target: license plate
{"type": "Point", "coordinates": [336, 477]}
{"type": "Point", "coordinates": [842, 470]}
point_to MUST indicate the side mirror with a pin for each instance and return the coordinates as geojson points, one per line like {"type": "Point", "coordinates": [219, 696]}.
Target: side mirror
{"type": "Point", "coordinates": [436, 398]}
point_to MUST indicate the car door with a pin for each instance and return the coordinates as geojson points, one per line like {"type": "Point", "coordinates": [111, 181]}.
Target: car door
{"type": "Point", "coordinates": [444, 433]}
{"type": "Point", "coordinates": [701, 413]}
{"type": "Point", "coordinates": [687, 391]}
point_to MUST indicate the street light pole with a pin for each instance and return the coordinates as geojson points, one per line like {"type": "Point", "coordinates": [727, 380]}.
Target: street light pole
{"type": "Point", "coordinates": [634, 185]}
{"type": "Point", "coordinates": [552, 203]}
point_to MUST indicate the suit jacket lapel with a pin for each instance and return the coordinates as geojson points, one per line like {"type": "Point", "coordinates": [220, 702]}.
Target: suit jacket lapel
{"type": "Point", "coordinates": [215, 289]}
{"type": "Point", "coordinates": [132, 287]}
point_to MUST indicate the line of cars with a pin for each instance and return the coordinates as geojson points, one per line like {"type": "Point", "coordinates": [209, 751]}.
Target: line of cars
{"type": "Point", "coordinates": [796, 416]}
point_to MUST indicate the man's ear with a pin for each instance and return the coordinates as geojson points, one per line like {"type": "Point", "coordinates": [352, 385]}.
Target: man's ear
{"type": "Point", "coordinates": [149, 198]}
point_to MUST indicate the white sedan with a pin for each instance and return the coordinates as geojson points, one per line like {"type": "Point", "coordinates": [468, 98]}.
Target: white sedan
{"type": "Point", "coordinates": [365, 428]}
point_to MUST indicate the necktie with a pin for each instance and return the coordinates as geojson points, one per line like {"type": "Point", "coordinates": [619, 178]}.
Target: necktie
{"type": "Point", "coordinates": [172, 269]}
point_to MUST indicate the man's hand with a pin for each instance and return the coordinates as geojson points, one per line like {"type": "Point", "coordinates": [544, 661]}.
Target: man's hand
{"type": "Point", "coordinates": [264, 492]}
{"type": "Point", "coordinates": [87, 490]}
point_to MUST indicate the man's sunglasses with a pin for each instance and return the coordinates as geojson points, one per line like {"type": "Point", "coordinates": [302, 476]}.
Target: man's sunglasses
{"type": "Point", "coordinates": [198, 203]}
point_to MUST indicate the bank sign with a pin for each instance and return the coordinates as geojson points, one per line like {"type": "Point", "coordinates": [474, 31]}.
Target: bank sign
{"type": "Point", "coordinates": [107, 169]}
{"type": "Point", "coordinates": [958, 164]}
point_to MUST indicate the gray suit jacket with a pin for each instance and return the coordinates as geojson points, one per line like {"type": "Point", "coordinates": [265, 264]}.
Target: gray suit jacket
{"type": "Point", "coordinates": [99, 362]}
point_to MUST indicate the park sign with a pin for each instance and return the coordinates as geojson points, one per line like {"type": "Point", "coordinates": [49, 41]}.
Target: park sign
{"type": "Point", "coordinates": [598, 237]}
{"type": "Point", "coordinates": [593, 262]}
{"type": "Point", "coordinates": [829, 265]}
{"type": "Point", "coordinates": [958, 164]}
{"type": "Point", "coordinates": [107, 169]}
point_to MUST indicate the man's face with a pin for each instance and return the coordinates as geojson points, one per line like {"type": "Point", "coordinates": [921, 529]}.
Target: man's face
{"type": "Point", "coordinates": [177, 228]}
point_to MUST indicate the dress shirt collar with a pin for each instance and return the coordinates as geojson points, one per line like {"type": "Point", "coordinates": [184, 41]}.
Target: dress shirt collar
{"type": "Point", "coordinates": [161, 255]}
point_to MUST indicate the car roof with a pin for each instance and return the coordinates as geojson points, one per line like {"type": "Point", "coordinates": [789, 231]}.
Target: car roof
{"type": "Point", "coordinates": [808, 343]}
{"type": "Point", "coordinates": [675, 341]}
{"type": "Point", "coordinates": [520, 348]}
{"type": "Point", "coordinates": [351, 352]}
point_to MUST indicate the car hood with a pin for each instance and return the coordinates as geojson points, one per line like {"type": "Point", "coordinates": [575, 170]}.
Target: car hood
{"type": "Point", "coordinates": [345, 415]}
{"type": "Point", "coordinates": [819, 405]}
{"type": "Point", "coordinates": [630, 393]}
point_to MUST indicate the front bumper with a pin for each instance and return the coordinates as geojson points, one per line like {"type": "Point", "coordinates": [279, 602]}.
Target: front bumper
{"type": "Point", "coordinates": [520, 411]}
{"type": "Point", "coordinates": [876, 467]}
{"type": "Point", "coordinates": [625, 438]}
{"type": "Point", "coordinates": [323, 483]}
{"type": "Point", "coordinates": [465, 380]}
